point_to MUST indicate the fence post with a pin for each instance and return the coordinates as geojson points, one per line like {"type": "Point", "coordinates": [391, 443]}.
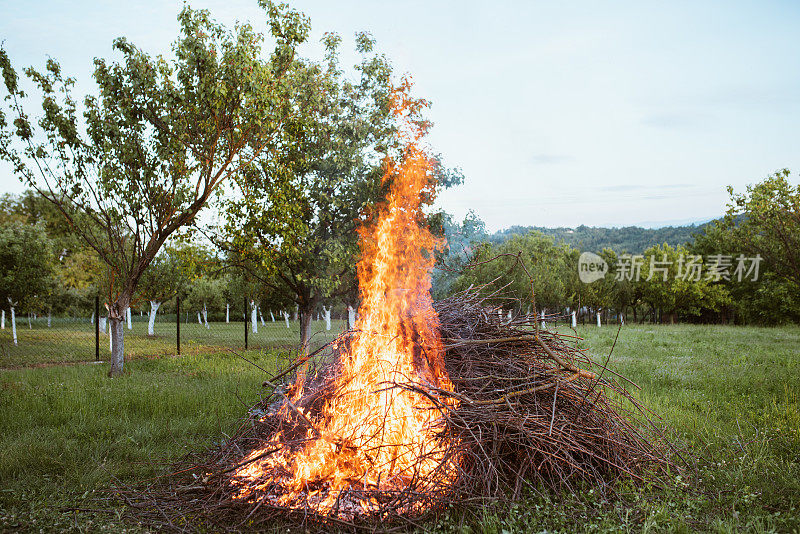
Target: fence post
{"type": "Point", "coordinates": [97, 328]}
{"type": "Point", "coordinates": [245, 323]}
{"type": "Point", "coordinates": [178, 320]}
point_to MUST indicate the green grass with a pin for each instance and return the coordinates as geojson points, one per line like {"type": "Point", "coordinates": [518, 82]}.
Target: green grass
{"type": "Point", "coordinates": [732, 397]}
{"type": "Point", "coordinates": [69, 340]}
{"type": "Point", "coordinates": [730, 394]}
{"type": "Point", "coordinates": [65, 431]}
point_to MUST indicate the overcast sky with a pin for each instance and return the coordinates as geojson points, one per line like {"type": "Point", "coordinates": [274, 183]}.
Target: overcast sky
{"type": "Point", "coordinates": [558, 113]}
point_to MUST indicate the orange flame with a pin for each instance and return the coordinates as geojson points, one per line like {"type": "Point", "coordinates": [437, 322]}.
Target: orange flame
{"type": "Point", "coordinates": [372, 434]}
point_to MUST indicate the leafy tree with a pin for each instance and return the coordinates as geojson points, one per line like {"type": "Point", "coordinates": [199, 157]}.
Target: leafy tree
{"type": "Point", "coordinates": [77, 267]}
{"type": "Point", "coordinates": [26, 266]}
{"type": "Point", "coordinates": [548, 263]}
{"type": "Point", "coordinates": [297, 221]}
{"type": "Point", "coordinates": [159, 138]}
{"type": "Point", "coordinates": [630, 239]}
{"type": "Point", "coordinates": [204, 292]}
{"type": "Point", "coordinates": [601, 295]}
{"type": "Point", "coordinates": [665, 287]}
{"type": "Point", "coordinates": [765, 220]}
{"type": "Point", "coordinates": [766, 299]}
{"type": "Point", "coordinates": [762, 222]}
{"type": "Point", "coordinates": [164, 278]}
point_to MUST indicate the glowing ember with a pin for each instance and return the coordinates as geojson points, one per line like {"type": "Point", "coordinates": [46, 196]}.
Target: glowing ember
{"type": "Point", "coordinates": [371, 435]}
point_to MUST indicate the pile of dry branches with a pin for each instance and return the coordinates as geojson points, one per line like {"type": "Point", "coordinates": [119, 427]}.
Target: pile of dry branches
{"type": "Point", "coordinates": [528, 409]}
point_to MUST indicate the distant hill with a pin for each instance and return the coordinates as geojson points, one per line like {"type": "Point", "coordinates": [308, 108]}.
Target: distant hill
{"type": "Point", "coordinates": [631, 239]}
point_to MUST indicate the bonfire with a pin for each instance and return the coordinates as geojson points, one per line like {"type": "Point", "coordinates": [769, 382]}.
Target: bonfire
{"type": "Point", "coordinates": [420, 406]}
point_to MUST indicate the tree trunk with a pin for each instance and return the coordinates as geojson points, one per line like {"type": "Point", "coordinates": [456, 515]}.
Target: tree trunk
{"type": "Point", "coordinates": [574, 321]}
{"type": "Point", "coordinates": [205, 315]}
{"type": "Point", "coordinates": [327, 317]}
{"type": "Point", "coordinates": [351, 317]}
{"type": "Point", "coordinates": [286, 318]}
{"type": "Point", "coordinates": [13, 325]}
{"type": "Point", "coordinates": [128, 316]}
{"type": "Point", "coordinates": [117, 346]}
{"type": "Point", "coordinates": [151, 323]}
{"type": "Point", "coordinates": [102, 321]}
{"type": "Point", "coordinates": [30, 326]}
{"type": "Point", "coordinates": [272, 316]}
{"type": "Point", "coordinates": [598, 319]}
{"type": "Point", "coordinates": [2, 319]}
{"type": "Point", "coordinates": [305, 331]}
{"type": "Point", "coordinates": [260, 316]}
{"type": "Point", "coordinates": [227, 313]}
{"type": "Point", "coordinates": [254, 316]}
{"type": "Point", "coordinates": [49, 318]}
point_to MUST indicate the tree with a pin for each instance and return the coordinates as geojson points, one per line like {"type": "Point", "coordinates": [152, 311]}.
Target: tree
{"type": "Point", "coordinates": [670, 285]}
{"type": "Point", "coordinates": [603, 294]}
{"type": "Point", "coordinates": [26, 266]}
{"type": "Point", "coordinates": [765, 220]}
{"type": "Point", "coordinates": [302, 206]}
{"type": "Point", "coordinates": [763, 296]}
{"type": "Point", "coordinates": [163, 279]}
{"type": "Point", "coordinates": [548, 263]}
{"type": "Point", "coordinates": [159, 138]}
{"type": "Point", "coordinates": [77, 267]}
{"type": "Point", "coordinates": [204, 291]}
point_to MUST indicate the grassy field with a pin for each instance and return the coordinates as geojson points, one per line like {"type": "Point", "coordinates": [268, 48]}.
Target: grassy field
{"type": "Point", "coordinates": [70, 340]}
{"type": "Point", "coordinates": [730, 394]}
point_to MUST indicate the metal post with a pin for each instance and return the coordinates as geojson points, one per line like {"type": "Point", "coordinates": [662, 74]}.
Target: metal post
{"type": "Point", "coordinates": [245, 323]}
{"type": "Point", "coordinates": [97, 328]}
{"type": "Point", "coordinates": [178, 321]}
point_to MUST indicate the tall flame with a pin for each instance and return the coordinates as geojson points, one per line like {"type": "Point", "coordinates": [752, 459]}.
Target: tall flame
{"type": "Point", "coordinates": [372, 434]}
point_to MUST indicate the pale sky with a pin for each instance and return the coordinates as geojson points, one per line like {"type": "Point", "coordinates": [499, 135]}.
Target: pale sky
{"type": "Point", "coordinates": [558, 113]}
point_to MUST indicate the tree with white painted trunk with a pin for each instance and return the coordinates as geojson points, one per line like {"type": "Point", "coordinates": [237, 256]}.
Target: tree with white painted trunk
{"type": "Point", "coordinates": [204, 293]}
{"type": "Point", "coordinates": [163, 279]}
{"type": "Point", "coordinates": [142, 157]}
{"type": "Point", "coordinates": [327, 317]}
{"type": "Point", "coordinates": [151, 320]}
{"type": "Point", "coordinates": [253, 318]}
{"type": "Point", "coordinates": [12, 305]}
{"type": "Point", "coordinates": [26, 267]}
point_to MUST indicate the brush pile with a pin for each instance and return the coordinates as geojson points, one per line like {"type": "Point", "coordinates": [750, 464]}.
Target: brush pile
{"type": "Point", "coordinates": [528, 408]}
